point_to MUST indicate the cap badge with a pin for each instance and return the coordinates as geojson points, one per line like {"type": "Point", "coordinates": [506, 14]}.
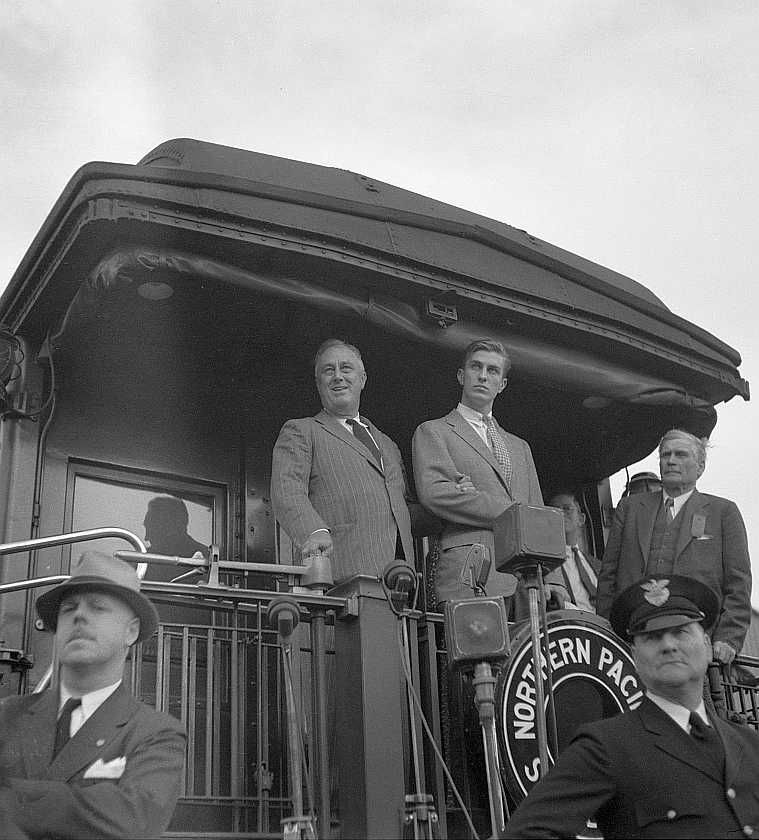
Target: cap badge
{"type": "Point", "coordinates": [656, 592]}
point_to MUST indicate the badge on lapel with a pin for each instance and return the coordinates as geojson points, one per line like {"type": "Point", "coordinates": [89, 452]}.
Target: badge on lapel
{"type": "Point", "coordinates": [113, 769]}
{"type": "Point", "coordinates": [698, 526]}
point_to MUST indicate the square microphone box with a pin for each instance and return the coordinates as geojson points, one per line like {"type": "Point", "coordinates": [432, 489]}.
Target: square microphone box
{"type": "Point", "coordinates": [528, 534]}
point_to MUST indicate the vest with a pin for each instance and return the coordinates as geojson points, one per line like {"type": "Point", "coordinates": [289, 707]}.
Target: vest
{"type": "Point", "coordinates": [661, 554]}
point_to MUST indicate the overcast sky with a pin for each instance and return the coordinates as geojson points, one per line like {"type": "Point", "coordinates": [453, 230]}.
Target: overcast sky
{"type": "Point", "coordinates": [625, 132]}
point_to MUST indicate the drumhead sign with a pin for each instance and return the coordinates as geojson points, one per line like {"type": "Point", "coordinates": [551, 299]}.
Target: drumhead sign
{"type": "Point", "coordinates": [593, 677]}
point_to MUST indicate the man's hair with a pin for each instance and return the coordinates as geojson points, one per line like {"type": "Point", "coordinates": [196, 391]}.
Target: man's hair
{"type": "Point", "coordinates": [698, 445]}
{"type": "Point", "coordinates": [571, 494]}
{"type": "Point", "coordinates": [335, 342]}
{"type": "Point", "coordinates": [170, 508]}
{"type": "Point", "coordinates": [489, 345]}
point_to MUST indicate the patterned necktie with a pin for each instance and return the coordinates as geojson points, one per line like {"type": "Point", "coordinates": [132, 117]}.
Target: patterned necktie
{"type": "Point", "coordinates": [669, 506]}
{"type": "Point", "coordinates": [362, 434]}
{"type": "Point", "coordinates": [587, 577]}
{"type": "Point", "coordinates": [498, 445]}
{"type": "Point", "coordinates": [63, 727]}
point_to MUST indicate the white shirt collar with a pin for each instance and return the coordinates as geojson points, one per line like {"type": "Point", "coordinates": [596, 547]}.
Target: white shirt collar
{"type": "Point", "coordinates": [471, 415]}
{"type": "Point", "coordinates": [678, 501]}
{"type": "Point", "coordinates": [91, 701]}
{"type": "Point", "coordinates": [679, 714]}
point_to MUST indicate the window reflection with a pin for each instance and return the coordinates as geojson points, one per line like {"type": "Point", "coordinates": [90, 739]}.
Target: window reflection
{"type": "Point", "coordinates": [177, 524]}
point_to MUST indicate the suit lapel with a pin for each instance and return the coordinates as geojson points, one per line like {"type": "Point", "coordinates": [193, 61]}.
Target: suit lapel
{"type": "Point", "coordinates": [648, 507]}
{"type": "Point", "coordinates": [673, 740]}
{"type": "Point", "coordinates": [468, 435]}
{"type": "Point", "coordinates": [335, 427]}
{"type": "Point", "coordinates": [696, 504]}
{"type": "Point", "coordinates": [37, 733]}
{"type": "Point", "coordinates": [96, 733]}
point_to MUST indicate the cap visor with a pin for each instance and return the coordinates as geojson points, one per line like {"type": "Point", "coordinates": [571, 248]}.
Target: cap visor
{"type": "Point", "coordinates": [664, 622]}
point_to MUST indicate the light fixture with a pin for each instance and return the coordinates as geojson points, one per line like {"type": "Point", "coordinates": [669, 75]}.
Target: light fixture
{"type": "Point", "coordinates": [155, 290]}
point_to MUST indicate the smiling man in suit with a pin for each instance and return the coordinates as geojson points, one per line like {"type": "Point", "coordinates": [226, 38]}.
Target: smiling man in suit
{"type": "Point", "coordinates": [679, 530]}
{"type": "Point", "coordinates": [86, 759]}
{"type": "Point", "coordinates": [468, 470]}
{"type": "Point", "coordinates": [337, 484]}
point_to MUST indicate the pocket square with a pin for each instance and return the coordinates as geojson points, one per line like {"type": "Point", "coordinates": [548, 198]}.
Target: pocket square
{"type": "Point", "coordinates": [113, 769]}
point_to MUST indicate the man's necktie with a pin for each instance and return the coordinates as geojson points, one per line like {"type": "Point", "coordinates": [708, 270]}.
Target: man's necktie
{"type": "Point", "coordinates": [588, 579]}
{"type": "Point", "coordinates": [700, 731]}
{"type": "Point", "coordinates": [63, 727]}
{"type": "Point", "coordinates": [498, 445]}
{"type": "Point", "coordinates": [361, 433]}
{"type": "Point", "coordinates": [669, 506]}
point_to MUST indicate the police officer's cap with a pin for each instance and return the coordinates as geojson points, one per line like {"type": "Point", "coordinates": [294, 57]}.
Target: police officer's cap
{"type": "Point", "coordinates": [661, 602]}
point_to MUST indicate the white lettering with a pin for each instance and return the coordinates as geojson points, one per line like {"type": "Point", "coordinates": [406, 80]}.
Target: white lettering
{"type": "Point", "coordinates": [566, 644]}
{"type": "Point", "coordinates": [606, 658]}
{"type": "Point", "coordinates": [615, 672]}
{"type": "Point", "coordinates": [525, 692]}
{"type": "Point", "coordinates": [532, 773]}
{"type": "Point", "coordinates": [556, 661]}
{"type": "Point", "coordinates": [634, 701]}
{"type": "Point", "coordinates": [583, 650]}
{"type": "Point", "coordinates": [625, 682]}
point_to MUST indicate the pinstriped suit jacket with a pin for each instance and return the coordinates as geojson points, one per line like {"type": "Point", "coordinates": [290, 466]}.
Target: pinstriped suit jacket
{"type": "Point", "coordinates": [446, 448]}
{"type": "Point", "coordinates": [323, 477]}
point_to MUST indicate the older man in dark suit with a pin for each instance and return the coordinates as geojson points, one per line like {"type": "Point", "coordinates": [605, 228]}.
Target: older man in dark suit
{"type": "Point", "coordinates": [338, 484]}
{"type": "Point", "coordinates": [668, 768]}
{"type": "Point", "coordinates": [681, 531]}
{"type": "Point", "coordinates": [86, 759]}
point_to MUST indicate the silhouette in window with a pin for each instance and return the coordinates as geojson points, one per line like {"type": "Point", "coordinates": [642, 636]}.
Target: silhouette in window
{"type": "Point", "coordinates": [166, 522]}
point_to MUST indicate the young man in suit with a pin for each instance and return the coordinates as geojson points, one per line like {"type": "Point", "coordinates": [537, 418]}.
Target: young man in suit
{"type": "Point", "coordinates": [85, 758]}
{"type": "Point", "coordinates": [666, 768]}
{"type": "Point", "coordinates": [679, 530]}
{"type": "Point", "coordinates": [468, 470]}
{"type": "Point", "coordinates": [337, 483]}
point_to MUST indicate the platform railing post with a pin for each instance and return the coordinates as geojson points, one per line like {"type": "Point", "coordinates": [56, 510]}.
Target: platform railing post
{"type": "Point", "coordinates": [370, 702]}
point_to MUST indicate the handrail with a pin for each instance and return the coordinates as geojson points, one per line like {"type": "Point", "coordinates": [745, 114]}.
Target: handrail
{"type": "Point", "coordinates": [31, 583]}
{"type": "Point", "coordinates": [79, 536]}
{"type": "Point", "coordinates": [74, 537]}
{"type": "Point", "coordinates": [65, 539]}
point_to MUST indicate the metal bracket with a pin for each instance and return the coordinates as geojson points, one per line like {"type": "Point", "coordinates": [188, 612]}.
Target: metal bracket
{"type": "Point", "coordinates": [17, 659]}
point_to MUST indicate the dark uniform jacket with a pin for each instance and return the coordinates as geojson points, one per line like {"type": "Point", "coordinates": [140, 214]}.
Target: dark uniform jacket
{"type": "Point", "coordinates": [118, 776]}
{"type": "Point", "coordinates": [643, 776]}
{"type": "Point", "coordinates": [711, 546]}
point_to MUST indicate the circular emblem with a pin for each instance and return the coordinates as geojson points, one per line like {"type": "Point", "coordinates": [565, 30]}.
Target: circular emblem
{"type": "Point", "coordinates": [593, 677]}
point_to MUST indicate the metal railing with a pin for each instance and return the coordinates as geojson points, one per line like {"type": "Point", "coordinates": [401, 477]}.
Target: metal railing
{"type": "Point", "coordinates": [222, 675]}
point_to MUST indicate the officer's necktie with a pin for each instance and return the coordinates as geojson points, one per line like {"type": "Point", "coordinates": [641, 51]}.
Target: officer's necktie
{"type": "Point", "coordinates": [362, 434]}
{"type": "Point", "coordinates": [498, 445]}
{"type": "Point", "coordinates": [588, 578]}
{"type": "Point", "coordinates": [669, 506]}
{"type": "Point", "coordinates": [63, 727]}
{"type": "Point", "coordinates": [701, 731]}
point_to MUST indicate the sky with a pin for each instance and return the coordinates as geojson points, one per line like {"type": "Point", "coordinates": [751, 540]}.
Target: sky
{"type": "Point", "coordinates": [623, 132]}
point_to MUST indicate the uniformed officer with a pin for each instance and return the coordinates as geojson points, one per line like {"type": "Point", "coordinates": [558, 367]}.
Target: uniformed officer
{"type": "Point", "coordinates": [668, 768]}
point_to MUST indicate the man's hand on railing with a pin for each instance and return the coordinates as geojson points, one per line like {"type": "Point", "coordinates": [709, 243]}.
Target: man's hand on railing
{"type": "Point", "coordinates": [320, 542]}
{"type": "Point", "coordinates": [723, 652]}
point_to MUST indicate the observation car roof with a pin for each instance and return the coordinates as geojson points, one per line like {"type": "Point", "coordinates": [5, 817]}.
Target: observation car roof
{"type": "Point", "coordinates": [412, 266]}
